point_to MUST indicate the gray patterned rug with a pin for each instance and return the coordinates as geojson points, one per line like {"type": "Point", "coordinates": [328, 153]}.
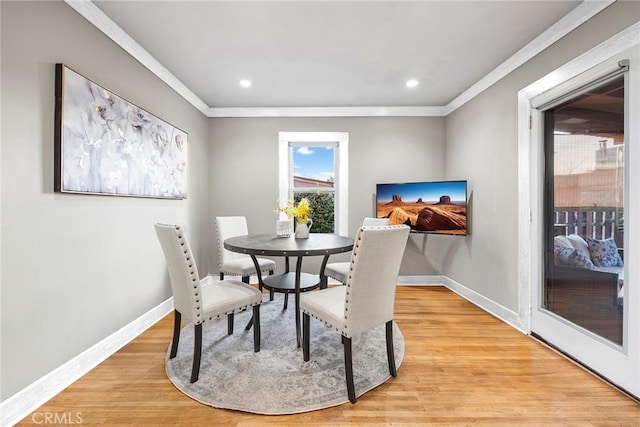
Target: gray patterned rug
{"type": "Point", "coordinates": [276, 380]}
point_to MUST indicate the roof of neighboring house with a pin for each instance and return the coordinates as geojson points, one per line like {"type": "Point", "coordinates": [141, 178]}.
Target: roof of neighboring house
{"type": "Point", "coordinates": [300, 181]}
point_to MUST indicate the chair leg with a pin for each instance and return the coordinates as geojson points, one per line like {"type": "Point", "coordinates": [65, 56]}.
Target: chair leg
{"type": "Point", "coordinates": [348, 367]}
{"type": "Point", "coordinates": [230, 323]}
{"type": "Point", "coordinates": [256, 328]}
{"type": "Point", "coordinates": [286, 301]}
{"type": "Point", "coordinates": [249, 324]}
{"type": "Point", "coordinates": [306, 338]}
{"type": "Point", "coordinates": [390, 356]}
{"type": "Point", "coordinates": [177, 316]}
{"type": "Point", "coordinates": [260, 286]}
{"type": "Point", "coordinates": [197, 352]}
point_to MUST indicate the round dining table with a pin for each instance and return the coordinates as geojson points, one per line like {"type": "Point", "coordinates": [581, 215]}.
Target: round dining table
{"type": "Point", "coordinates": [318, 244]}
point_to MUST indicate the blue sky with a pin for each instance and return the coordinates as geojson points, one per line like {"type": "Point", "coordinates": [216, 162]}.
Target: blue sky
{"type": "Point", "coordinates": [313, 162]}
{"type": "Point", "coordinates": [429, 191]}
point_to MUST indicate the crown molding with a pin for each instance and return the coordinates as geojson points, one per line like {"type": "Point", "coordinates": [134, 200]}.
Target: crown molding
{"type": "Point", "coordinates": [101, 21]}
{"type": "Point", "coordinates": [328, 112]}
{"type": "Point", "coordinates": [582, 13]}
{"type": "Point", "coordinates": [578, 16]}
{"type": "Point", "coordinates": [585, 64]}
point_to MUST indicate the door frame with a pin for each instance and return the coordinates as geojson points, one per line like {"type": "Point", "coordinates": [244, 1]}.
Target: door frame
{"type": "Point", "coordinates": [530, 214]}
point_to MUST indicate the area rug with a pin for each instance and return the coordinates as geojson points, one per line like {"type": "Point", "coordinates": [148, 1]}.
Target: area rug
{"type": "Point", "coordinates": [276, 380]}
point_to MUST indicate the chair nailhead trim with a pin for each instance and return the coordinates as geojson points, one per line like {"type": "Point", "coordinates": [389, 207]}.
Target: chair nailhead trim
{"type": "Point", "coordinates": [323, 321]}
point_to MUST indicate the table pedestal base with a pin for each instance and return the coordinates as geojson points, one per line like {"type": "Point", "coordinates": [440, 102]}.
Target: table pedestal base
{"type": "Point", "coordinates": [292, 282]}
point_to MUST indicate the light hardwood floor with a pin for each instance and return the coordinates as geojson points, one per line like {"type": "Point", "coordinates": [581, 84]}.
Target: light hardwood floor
{"type": "Point", "coordinates": [462, 366]}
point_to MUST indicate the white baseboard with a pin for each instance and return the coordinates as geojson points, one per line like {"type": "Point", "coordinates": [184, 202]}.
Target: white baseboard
{"type": "Point", "coordinates": [510, 317]}
{"type": "Point", "coordinates": [501, 312]}
{"type": "Point", "coordinates": [430, 280]}
{"type": "Point", "coordinates": [35, 395]}
{"type": "Point", "coordinates": [21, 404]}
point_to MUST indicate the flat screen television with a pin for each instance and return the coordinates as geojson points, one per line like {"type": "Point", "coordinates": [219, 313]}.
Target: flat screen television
{"type": "Point", "coordinates": [427, 207]}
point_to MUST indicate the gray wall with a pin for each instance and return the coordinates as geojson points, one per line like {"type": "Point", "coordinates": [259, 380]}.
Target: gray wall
{"type": "Point", "coordinates": [482, 145]}
{"type": "Point", "coordinates": [76, 268]}
{"type": "Point", "coordinates": [244, 176]}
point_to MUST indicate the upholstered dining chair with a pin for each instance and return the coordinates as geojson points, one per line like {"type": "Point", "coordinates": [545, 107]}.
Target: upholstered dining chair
{"type": "Point", "coordinates": [368, 298]}
{"type": "Point", "coordinates": [233, 262]}
{"type": "Point", "coordinates": [199, 300]}
{"type": "Point", "coordinates": [339, 270]}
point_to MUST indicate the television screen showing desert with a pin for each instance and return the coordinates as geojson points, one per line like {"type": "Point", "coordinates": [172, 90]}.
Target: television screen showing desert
{"type": "Point", "coordinates": [427, 207]}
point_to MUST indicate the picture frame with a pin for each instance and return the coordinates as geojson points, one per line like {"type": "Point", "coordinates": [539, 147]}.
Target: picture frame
{"type": "Point", "coordinates": [106, 145]}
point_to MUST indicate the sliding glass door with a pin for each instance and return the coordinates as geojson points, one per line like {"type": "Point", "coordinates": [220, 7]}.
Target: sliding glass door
{"type": "Point", "coordinates": [584, 210]}
{"type": "Point", "coordinates": [586, 302]}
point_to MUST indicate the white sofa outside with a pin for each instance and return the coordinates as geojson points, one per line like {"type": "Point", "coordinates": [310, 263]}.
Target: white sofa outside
{"type": "Point", "coordinates": [577, 243]}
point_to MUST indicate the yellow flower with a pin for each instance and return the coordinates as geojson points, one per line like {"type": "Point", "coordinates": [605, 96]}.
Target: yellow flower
{"type": "Point", "coordinates": [300, 212]}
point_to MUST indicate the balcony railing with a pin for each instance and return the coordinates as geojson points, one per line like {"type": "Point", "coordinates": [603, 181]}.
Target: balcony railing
{"type": "Point", "coordinates": [594, 222]}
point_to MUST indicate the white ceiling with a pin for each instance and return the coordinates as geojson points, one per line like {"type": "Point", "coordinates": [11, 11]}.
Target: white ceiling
{"type": "Point", "coordinates": [334, 53]}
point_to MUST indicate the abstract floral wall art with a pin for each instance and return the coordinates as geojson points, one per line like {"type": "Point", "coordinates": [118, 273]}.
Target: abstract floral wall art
{"type": "Point", "coordinates": [107, 145]}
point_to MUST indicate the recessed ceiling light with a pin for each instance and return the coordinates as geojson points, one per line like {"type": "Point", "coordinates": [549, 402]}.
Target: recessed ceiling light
{"type": "Point", "coordinates": [412, 83]}
{"type": "Point", "coordinates": [245, 83]}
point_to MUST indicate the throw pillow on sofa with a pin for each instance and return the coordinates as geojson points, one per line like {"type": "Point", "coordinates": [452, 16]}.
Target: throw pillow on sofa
{"type": "Point", "coordinates": [604, 253]}
{"type": "Point", "coordinates": [562, 241]}
{"type": "Point", "coordinates": [572, 257]}
{"type": "Point", "coordinates": [579, 244]}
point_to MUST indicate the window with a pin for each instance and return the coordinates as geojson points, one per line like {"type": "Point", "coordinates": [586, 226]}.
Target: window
{"type": "Point", "coordinates": [314, 165]}
{"type": "Point", "coordinates": [313, 173]}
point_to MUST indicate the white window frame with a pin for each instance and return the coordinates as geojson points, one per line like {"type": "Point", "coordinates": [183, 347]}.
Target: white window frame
{"type": "Point", "coordinates": [340, 140]}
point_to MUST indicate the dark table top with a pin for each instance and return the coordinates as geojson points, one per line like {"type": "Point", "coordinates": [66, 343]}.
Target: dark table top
{"type": "Point", "coordinates": [269, 244]}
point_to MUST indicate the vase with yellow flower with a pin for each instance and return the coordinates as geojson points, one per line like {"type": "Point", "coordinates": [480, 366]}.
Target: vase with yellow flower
{"type": "Point", "coordinates": [300, 213]}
